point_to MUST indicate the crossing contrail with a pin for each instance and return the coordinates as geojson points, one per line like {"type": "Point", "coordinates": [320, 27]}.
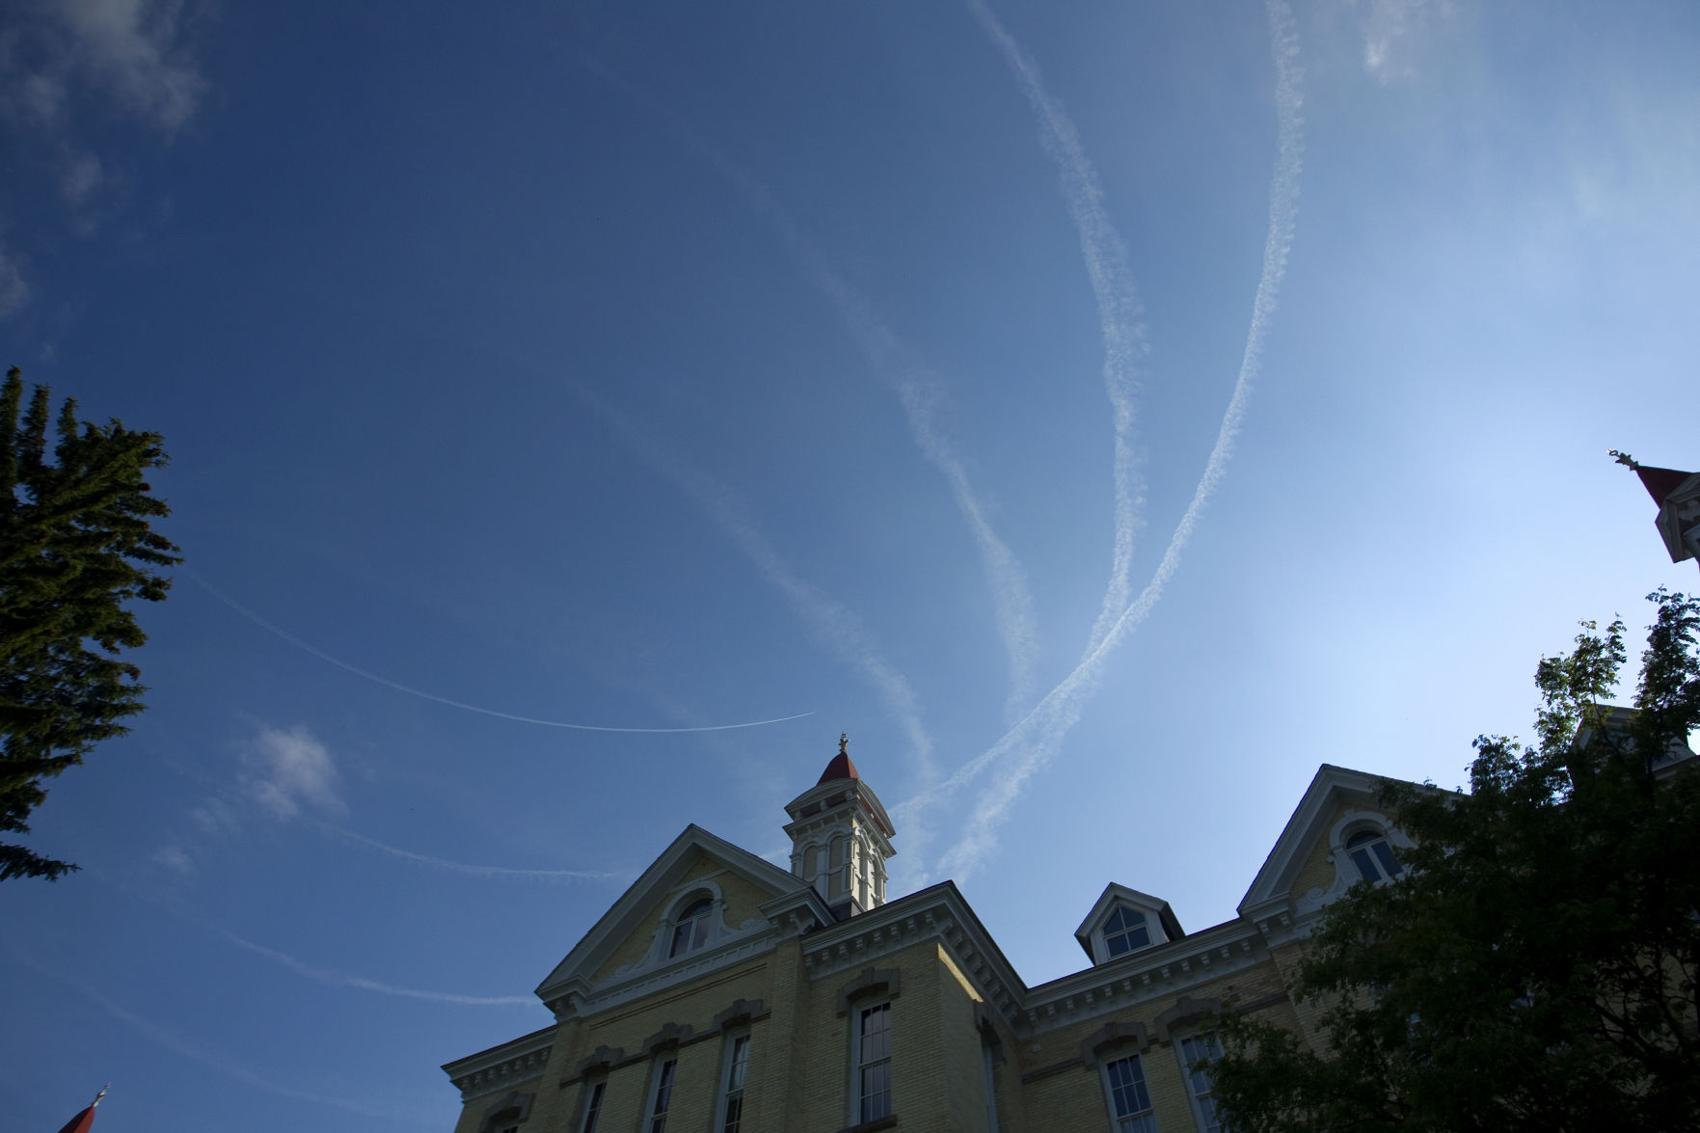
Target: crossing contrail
{"type": "Point", "coordinates": [367, 674]}
{"type": "Point", "coordinates": [833, 624]}
{"type": "Point", "coordinates": [1034, 741]}
{"type": "Point", "coordinates": [1120, 314]}
{"type": "Point", "coordinates": [894, 364]}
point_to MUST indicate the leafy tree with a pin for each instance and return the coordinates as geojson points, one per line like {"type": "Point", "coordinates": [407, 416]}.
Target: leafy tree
{"type": "Point", "coordinates": [76, 546]}
{"type": "Point", "coordinates": [1535, 967]}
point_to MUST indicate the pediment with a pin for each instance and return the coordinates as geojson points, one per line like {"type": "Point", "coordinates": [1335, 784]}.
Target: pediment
{"type": "Point", "coordinates": [1332, 792]}
{"type": "Point", "coordinates": [627, 939]}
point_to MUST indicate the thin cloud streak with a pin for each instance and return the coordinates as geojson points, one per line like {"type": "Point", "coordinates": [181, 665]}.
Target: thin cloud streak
{"type": "Point", "coordinates": [919, 393]}
{"type": "Point", "coordinates": [893, 363]}
{"type": "Point", "coordinates": [833, 624]}
{"type": "Point", "coordinates": [1032, 743]}
{"type": "Point", "coordinates": [331, 978]}
{"type": "Point", "coordinates": [463, 868]}
{"type": "Point", "coordinates": [1120, 314]}
{"type": "Point", "coordinates": [366, 674]}
{"type": "Point", "coordinates": [181, 1047]}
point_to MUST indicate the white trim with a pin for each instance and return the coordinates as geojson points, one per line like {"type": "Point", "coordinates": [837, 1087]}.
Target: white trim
{"type": "Point", "coordinates": [656, 1067]}
{"type": "Point", "coordinates": [856, 1013]}
{"type": "Point", "coordinates": [723, 1087]}
{"type": "Point", "coordinates": [1149, 1113]}
{"type": "Point", "coordinates": [587, 1089]}
{"type": "Point", "coordinates": [1193, 1100]}
{"type": "Point", "coordinates": [576, 971]}
{"type": "Point", "coordinates": [1273, 880]}
{"type": "Point", "coordinates": [1345, 872]}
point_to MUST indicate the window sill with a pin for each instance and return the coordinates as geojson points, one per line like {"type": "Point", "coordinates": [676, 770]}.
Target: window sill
{"type": "Point", "coordinates": [889, 1122]}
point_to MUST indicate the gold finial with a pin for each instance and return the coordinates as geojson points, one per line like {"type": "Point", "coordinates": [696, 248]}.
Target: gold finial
{"type": "Point", "coordinates": [843, 743]}
{"type": "Point", "coordinates": [1624, 459]}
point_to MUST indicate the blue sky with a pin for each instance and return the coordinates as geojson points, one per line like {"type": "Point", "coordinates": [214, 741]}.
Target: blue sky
{"type": "Point", "coordinates": [685, 366]}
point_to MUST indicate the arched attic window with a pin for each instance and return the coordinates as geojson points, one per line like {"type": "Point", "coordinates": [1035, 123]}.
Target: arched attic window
{"type": "Point", "coordinates": [690, 927]}
{"type": "Point", "coordinates": [1125, 931]}
{"type": "Point", "coordinates": [1373, 855]}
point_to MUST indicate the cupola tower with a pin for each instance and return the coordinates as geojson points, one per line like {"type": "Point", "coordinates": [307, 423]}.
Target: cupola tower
{"type": "Point", "coordinates": [841, 837]}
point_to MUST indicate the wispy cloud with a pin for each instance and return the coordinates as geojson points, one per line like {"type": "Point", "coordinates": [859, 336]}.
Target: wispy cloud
{"type": "Point", "coordinates": [1032, 743]}
{"type": "Point", "coordinates": [895, 365]}
{"type": "Point", "coordinates": [1396, 33]}
{"type": "Point", "coordinates": [289, 770]}
{"type": "Point", "coordinates": [137, 51]}
{"type": "Point", "coordinates": [375, 678]}
{"type": "Point", "coordinates": [69, 60]}
{"type": "Point", "coordinates": [183, 1048]}
{"type": "Point", "coordinates": [176, 859]}
{"type": "Point", "coordinates": [14, 288]}
{"type": "Point", "coordinates": [463, 868]}
{"type": "Point", "coordinates": [1120, 314]}
{"type": "Point", "coordinates": [332, 978]}
{"type": "Point", "coordinates": [835, 626]}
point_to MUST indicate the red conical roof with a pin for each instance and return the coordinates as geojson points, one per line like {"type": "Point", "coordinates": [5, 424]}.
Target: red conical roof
{"type": "Point", "coordinates": [839, 768]}
{"type": "Point", "coordinates": [1661, 482]}
{"type": "Point", "coordinates": [81, 1123]}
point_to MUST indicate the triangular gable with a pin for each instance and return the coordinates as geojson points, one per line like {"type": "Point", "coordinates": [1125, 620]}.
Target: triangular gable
{"type": "Point", "coordinates": [1120, 894]}
{"type": "Point", "coordinates": [626, 915]}
{"type": "Point", "coordinates": [1330, 785]}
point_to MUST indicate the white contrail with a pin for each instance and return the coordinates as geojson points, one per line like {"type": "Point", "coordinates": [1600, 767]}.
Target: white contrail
{"type": "Point", "coordinates": [485, 871]}
{"type": "Point", "coordinates": [893, 363]}
{"type": "Point", "coordinates": [1120, 315]}
{"type": "Point", "coordinates": [331, 978]}
{"type": "Point", "coordinates": [185, 1049]}
{"type": "Point", "coordinates": [833, 624]}
{"type": "Point", "coordinates": [919, 393]}
{"type": "Point", "coordinates": [313, 650]}
{"type": "Point", "coordinates": [1035, 740]}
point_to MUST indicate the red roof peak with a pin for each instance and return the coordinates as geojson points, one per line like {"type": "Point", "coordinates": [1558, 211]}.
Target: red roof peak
{"type": "Point", "coordinates": [840, 767]}
{"type": "Point", "coordinates": [1661, 482]}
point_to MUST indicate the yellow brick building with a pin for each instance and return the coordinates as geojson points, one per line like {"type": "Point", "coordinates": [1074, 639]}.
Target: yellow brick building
{"type": "Point", "coordinates": [722, 994]}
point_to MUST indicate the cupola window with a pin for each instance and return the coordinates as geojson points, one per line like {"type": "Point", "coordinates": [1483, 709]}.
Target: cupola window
{"type": "Point", "coordinates": [1125, 931]}
{"type": "Point", "coordinates": [1374, 857]}
{"type": "Point", "coordinates": [690, 929]}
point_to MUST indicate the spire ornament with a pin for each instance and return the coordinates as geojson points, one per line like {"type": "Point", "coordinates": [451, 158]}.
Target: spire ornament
{"type": "Point", "coordinates": [843, 743]}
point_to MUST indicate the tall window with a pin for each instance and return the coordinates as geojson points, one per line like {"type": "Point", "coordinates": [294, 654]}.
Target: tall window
{"type": "Point", "coordinates": [988, 1064]}
{"type": "Point", "coordinates": [1130, 1103]}
{"type": "Point", "coordinates": [732, 1088]}
{"type": "Point", "coordinates": [1197, 1053]}
{"type": "Point", "coordinates": [1125, 931]}
{"type": "Point", "coordinates": [873, 1063]}
{"type": "Point", "coordinates": [593, 1107]}
{"type": "Point", "coordinates": [1373, 856]}
{"type": "Point", "coordinates": [690, 930]}
{"type": "Point", "coordinates": [656, 1122]}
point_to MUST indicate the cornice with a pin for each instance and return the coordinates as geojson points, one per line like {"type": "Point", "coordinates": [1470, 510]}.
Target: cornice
{"type": "Point", "coordinates": [1151, 974]}
{"type": "Point", "coordinates": [587, 1000]}
{"type": "Point", "coordinates": [501, 1067]}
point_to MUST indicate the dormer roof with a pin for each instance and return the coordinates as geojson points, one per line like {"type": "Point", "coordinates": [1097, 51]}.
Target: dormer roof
{"type": "Point", "coordinates": [1115, 895]}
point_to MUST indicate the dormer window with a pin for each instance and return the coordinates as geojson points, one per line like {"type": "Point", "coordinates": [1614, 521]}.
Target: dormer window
{"type": "Point", "coordinates": [690, 928]}
{"type": "Point", "coordinates": [1125, 931]}
{"type": "Point", "coordinates": [1124, 921]}
{"type": "Point", "coordinates": [1374, 857]}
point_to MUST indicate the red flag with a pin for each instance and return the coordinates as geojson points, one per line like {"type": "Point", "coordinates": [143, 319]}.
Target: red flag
{"type": "Point", "coordinates": [84, 1121]}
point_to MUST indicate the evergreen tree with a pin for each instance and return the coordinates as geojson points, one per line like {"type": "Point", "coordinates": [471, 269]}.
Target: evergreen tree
{"type": "Point", "coordinates": [1535, 966]}
{"type": "Point", "coordinates": [76, 547]}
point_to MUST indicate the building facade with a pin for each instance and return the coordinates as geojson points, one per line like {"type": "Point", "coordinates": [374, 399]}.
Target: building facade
{"type": "Point", "coordinates": [722, 994]}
